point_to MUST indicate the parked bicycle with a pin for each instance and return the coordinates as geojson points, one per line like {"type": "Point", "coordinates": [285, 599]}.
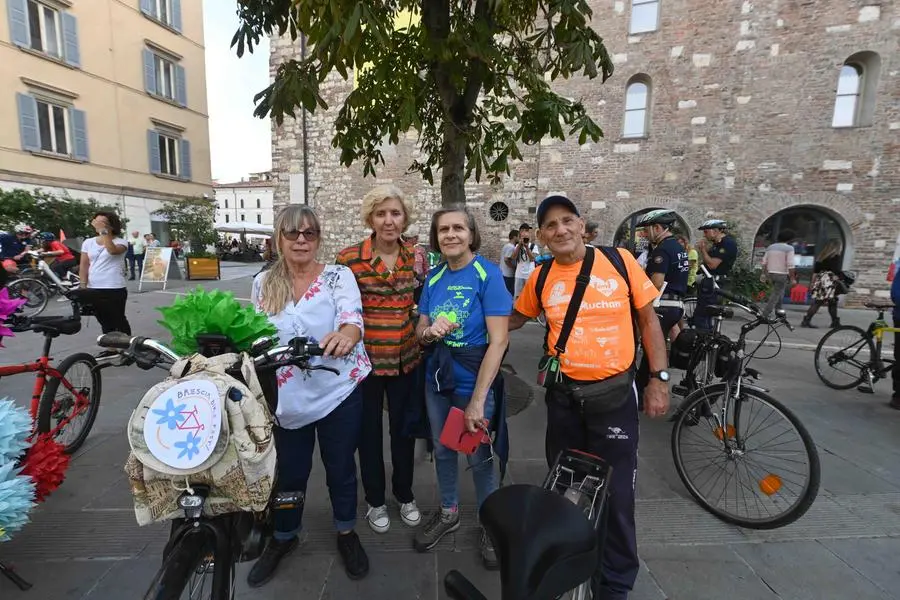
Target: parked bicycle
{"type": "Point", "coordinates": [849, 357]}
{"type": "Point", "coordinates": [66, 397]}
{"type": "Point", "coordinates": [199, 558]}
{"type": "Point", "coordinates": [39, 285]}
{"type": "Point", "coordinates": [742, 454]}
{"type": "Point", "coordinates": [548, 538]}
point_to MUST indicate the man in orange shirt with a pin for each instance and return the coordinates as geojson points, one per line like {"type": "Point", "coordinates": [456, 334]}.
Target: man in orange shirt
{"type": "Point", "coordinates": [600, 348]}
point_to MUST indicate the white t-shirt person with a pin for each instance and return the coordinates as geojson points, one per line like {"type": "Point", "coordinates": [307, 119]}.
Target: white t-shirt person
{"type": "Point", "coordinates": [107, 271]}
{"type": "Point", "coordinates": [508, 251]}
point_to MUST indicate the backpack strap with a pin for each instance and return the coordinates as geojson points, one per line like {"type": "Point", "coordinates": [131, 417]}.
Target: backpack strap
{"type": "Point", "coordinates": [581, 283]}
{"type": "Point", "coordinates": [613, 256]}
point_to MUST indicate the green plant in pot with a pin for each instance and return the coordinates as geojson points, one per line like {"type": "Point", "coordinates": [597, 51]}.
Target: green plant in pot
{"type": "Point", "coordinates": [192, 219]}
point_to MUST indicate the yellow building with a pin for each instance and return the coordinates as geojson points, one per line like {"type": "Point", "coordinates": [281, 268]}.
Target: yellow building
{"type": "Point", "coordinates": [105, 99]}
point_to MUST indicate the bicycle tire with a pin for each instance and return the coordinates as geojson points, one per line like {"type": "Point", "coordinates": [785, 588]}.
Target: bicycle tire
{"type": "Point", "coordinates": [690, 305]}
{"type": "Point", "coordinates": [818, 358]}
{"type": "Point", "coordinates": [35, 304]}
{"type": "Point", "coordinates": [45, 408]}
{"type": "Point", "coordinates": [688, 418]}
{"type": "Point", "coordinates": [183, 560]}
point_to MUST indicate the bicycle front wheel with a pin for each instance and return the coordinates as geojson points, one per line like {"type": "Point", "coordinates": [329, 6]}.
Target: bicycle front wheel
{"type": "Point", "coordinates": [842, 355]}
{"type": "Point", "coordinates": [34, 291]}
{"type": "Point", "coordinates": [194, 569]}
{"type": "Point", "coordinates": [70, 402]}
{"type": "Point", "coordinates": [747, 460]}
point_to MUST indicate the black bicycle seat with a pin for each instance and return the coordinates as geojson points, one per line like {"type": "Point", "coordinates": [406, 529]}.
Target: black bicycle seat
{"type": "Point", "coordinates": [719, 311]}
{"type": "Point", "coordinates": [879, 305]}
{"type": "Point", "coordinates": [545, 544]}
{"type": "Point", "coordinates": [56, 325]}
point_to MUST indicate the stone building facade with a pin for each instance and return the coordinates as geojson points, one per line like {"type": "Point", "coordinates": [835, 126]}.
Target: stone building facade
{"type": "Point", "coordinates": [743, 118]}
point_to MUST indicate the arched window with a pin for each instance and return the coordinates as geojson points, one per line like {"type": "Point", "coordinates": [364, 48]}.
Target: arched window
{"type": "Point", "coordinates": [637, 103]}
{"type": "Point", "coordinates": [644, 16]}
{"type": "Point", "coordinates": [846, 104]}
{"type": "Point", "coordinates": [857, 87]}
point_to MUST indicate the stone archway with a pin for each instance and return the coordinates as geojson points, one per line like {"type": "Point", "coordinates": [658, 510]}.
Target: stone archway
{"type": "Point", "coordinates": [615, 213]}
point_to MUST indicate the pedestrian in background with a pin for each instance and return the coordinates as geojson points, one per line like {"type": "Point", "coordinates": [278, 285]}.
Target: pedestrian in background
{"type": "Point", "coordinates": [508, 260]}
{"type": "Point", "coordinates": [895, 374]}
{"type": "Point", "coordinates": [102, 273]}
{"type": "Point", "coordinates": [526, 251]}
{"type": "Point", "coordinates": [135, 256]}
{"type": "Point", "coordinates": [826, 283]}
{"type": "Point", "coordinates": [384, 270]}
{"type": "Point", "coordinates": [778, 268]}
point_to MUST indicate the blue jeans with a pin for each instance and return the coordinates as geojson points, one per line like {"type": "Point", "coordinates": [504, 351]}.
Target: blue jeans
{"type": "Point", "coordinates": [446, 461]}
{"type": "Point", "coordinates": [338, 434]}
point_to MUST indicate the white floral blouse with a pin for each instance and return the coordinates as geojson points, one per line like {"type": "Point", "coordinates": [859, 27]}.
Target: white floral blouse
{"type": "Point", "coordinates": [331, 301]}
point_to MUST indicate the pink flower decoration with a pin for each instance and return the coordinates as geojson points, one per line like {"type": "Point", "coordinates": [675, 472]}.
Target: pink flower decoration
{"type": "Point", "coordinates": [7, 307]}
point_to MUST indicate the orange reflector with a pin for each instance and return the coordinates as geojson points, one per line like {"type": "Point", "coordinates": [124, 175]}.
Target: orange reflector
{"type": "Point", "coordinates": [770, 484]}
{"type": "Point", "coordinates": [728, 431]}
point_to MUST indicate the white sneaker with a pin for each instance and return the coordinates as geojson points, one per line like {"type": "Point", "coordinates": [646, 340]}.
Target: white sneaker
{"type": "Point", "coordinates": [410, 514]}
{"type": "Point", "coordinates": [378, 518]}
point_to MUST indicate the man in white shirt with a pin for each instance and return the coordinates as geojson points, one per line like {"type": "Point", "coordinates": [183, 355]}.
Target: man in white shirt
{"type": "Point", "coordinates": [136, 255]}
{"type": "Point", "coordinates": [526, 251]}
{"type": "Point", "coordinates": [778, 267]}
{"type": "Point", "coordinates": [508, 261]}
{"type": "Point", "coordinates": [591, 230]}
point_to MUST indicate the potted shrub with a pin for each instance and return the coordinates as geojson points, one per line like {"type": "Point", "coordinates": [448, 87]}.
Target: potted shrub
{"type": "Point", "coordinates": [193, 219]}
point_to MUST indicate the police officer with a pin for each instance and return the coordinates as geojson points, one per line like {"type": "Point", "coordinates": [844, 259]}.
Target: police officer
{"type": "Point", "coordinates": [718, 251]}
{"type": "Point", "coordinates": [668, 268]}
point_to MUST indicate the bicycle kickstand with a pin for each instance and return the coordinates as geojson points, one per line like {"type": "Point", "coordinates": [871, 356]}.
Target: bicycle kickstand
{"type": "Point", "coordinates": [14, 577]}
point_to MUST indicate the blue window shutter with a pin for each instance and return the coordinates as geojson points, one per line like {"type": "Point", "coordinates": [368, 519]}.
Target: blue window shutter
{"type": "Point", "coordinates": [28, 123]}
{"type": "Point", "coordinates": [70, 39]}
{"type": "Point", "coordinates": [18, 23]}
{"type": "Point", "coordinates": [176, 15]}
{"type": "Point", "coordinates": [79, 134]}
{"type": "Point", "coordinates": [149, 73]}
{"type": "Point", "coordinates": [185, 159]}
{"type": "Point", "coordinates": [180, 86]}
{"type": "Point", "coordinates": [148, 7]}
{"type": "Point", "coordinates": [153, 151]}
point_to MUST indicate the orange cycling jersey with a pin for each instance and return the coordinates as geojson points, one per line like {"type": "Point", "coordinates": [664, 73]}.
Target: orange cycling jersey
{"type": "Point", "coordinates": [602, 340]}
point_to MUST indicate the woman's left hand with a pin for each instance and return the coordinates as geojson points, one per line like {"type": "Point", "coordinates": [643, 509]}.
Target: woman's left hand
{"type": "Point", "coordinates": [336, 344]}
{"type": "Point", "coordinates": [474, 417]}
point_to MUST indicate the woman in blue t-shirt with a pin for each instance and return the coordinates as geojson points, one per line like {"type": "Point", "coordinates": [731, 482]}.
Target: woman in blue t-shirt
{"type": "Point", "coordinates": [464, 310]}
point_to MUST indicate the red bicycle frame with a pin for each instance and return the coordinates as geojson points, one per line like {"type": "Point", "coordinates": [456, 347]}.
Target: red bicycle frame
{"type": "Point", "coordinates": [43, 370]}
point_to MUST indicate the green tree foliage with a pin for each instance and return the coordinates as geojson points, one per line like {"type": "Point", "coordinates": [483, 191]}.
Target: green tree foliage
{"type": "Point", "coordinates": [472, 78]}
{"type": "Point", "coordinates": [46, 212]}
{"type": "Point", "coordinates": [191, 219]}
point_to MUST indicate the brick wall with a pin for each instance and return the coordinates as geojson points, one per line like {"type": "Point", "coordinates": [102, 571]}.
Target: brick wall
{"type": "Point", "coordinates": [740, 128]}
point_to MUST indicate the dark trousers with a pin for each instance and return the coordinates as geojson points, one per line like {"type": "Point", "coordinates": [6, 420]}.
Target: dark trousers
{"type": "Point", "coordinates": [669, 316]}
{"type": "Point", "coordinates": [895, 374]}
{"type": "Point", "coordinates": [510, 284]}
{"type": "Point", "coordinates": [399, 390]}
{"type": "Point", "coordinates": [337, 433]}
{"type": "Point", "coordinates": [60, 267]}
{"type": "Point", "coordinates": [706, 296]}
{"type": "Point", "coordinates": [109, 307]}
{"type": "Point", "coordinates": [817, 304]}
{"type": "Point", "coordinates": [136, 259]}
{"type": "Point", "coordinates": [612, 436]}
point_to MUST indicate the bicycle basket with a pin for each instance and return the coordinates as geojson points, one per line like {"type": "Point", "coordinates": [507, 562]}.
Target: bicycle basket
{"type": "Point", "coordinates": [682, 349]}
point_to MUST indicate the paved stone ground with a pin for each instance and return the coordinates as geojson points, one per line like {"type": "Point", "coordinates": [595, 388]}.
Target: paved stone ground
{"type": "Point", "coordinates": [83, 543]}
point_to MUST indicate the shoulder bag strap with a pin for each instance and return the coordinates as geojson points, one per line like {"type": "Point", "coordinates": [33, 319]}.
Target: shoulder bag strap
{"type": "Point", "coordinates": [581, 283]}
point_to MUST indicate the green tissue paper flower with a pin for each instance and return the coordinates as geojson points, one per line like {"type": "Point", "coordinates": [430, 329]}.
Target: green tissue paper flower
{"type": "Point", "coordinates": [213, 311]}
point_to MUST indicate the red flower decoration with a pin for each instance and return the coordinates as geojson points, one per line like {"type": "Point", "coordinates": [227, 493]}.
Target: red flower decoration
{"type": "Point", "coordinates": [46, 463]}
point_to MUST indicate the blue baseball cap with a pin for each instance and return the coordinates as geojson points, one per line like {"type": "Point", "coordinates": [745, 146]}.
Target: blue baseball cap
{"type": "Point", "coordinates": [555, 200]}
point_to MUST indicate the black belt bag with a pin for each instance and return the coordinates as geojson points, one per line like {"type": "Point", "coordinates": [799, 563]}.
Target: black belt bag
{"type": "Point", "coordinates": [594, 397]}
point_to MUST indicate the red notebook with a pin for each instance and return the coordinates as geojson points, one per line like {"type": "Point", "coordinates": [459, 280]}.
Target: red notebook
{"type": "Point", "coordinates": [455, 436]}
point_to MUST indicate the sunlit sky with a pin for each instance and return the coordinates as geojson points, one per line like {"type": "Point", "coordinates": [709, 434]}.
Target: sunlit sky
{"type": "Point", "coordinates": [239, 142]}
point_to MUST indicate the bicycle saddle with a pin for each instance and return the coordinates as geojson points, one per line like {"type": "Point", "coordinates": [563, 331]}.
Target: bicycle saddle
{"type": "Point", "coordinates": [545, 544]}
{"type": "Point", "coordinates": [56, 325]}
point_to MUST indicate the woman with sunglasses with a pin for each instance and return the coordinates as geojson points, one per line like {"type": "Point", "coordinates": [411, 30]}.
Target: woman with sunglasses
{"type": "Point", "coordinates": [384, 270]}
{"type": "Point", "coordinates": [304, 297]}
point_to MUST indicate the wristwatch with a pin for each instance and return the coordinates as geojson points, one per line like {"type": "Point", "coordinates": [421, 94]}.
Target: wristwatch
{"type": "Point", "coordinates": [661, 375]}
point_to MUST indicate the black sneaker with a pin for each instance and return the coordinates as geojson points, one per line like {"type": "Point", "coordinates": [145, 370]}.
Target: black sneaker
{"type": "Point", "coordinates": [356, 562]}
{"type": "Point", "coordinates": [488, 554]}
{"type": "Point", "coordinates": [264, 569]}
{"type": "Point", "coordinates": [895, 403]}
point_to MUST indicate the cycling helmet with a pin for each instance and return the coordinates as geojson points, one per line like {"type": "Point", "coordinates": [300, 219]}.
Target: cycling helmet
{"type": "Point", "coordinates": [663, 217]}
{"type": "Point", "coordinates": [713, 224]}
{"type": "Point", "coordinates": [23, 228]}
{"type": "Point", "coordinates": [47, 236]}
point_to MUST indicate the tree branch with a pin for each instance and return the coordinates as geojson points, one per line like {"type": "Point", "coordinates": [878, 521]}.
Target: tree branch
{"type": "Point", "coordinates": [477, 68]}
{"type": "Point", "coordinates": [436, 19]}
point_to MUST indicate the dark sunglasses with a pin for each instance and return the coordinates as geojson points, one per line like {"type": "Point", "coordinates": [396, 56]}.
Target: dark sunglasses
{"type": "Point", "coordinates": [310, 235]}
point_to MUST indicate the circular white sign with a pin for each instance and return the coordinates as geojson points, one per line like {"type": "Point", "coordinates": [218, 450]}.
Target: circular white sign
{"type": "Point", "coordinates": [184, 423]}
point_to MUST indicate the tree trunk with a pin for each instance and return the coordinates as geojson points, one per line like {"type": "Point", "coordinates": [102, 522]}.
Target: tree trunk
{"type": "Point", "coordinates": [453, 165]}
